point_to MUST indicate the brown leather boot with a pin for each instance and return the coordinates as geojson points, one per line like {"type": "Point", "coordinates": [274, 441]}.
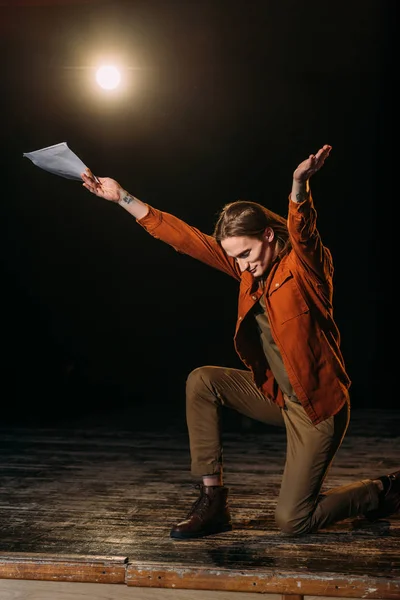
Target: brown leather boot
{"type": "Point", "coordinates": [389, 503]}
{"type": "Point", "coordinates": [208, 515]}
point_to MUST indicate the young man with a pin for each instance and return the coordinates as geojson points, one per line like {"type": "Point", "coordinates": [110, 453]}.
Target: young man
{"type": "Point", "coordinates": [288, 341]}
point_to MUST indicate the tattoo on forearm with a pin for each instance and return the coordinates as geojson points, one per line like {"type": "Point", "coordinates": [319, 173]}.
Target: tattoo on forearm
{"type": "Point", "coordinates": [300, 196]}
{"type": "Point", "coordinates": [303, 193]}
{"type": "Point", "coordinates": [127, 198]}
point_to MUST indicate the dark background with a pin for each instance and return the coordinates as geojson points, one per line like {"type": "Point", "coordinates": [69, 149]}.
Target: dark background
{"type": "Point", "coordinates": [223, 100]}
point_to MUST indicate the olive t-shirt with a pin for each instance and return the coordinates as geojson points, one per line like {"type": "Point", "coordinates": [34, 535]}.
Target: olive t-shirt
{"type": "Point", "coordinates": [271, 350]}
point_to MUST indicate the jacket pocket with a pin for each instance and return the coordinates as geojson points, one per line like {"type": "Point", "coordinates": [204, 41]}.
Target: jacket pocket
{"type": "Point", "coordinates": [285, 298]}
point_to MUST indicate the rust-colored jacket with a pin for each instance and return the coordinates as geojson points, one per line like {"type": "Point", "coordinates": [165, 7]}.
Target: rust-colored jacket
{"type": "Point", "coordinates": [298, 297]}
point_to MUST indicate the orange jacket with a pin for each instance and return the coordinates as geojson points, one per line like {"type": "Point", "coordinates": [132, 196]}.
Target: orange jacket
{"type": "Point", "coordinates": [298, 296]}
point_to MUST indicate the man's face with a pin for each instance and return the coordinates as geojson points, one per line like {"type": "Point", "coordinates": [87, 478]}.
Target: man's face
{"type": "Point", "coordinates": [252, 254]}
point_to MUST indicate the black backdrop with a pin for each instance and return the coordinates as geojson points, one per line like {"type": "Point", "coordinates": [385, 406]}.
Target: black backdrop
{"type": "Point", "coordinates": [223, 100]}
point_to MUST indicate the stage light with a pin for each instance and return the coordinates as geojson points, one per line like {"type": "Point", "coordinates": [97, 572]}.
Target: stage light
{"type": "Point", "coordinates": [108, 77]}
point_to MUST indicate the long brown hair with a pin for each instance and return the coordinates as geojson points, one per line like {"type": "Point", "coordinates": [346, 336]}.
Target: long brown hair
{"type": "Point", "coordinates": [250, 219]}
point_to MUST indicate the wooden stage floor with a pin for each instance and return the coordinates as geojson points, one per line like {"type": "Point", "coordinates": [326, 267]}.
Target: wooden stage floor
{"type": "Point", "coordinates": [95, 502]}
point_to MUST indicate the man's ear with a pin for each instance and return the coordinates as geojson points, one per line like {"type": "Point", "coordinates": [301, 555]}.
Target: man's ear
{"type": "Point", "coordinates": [269, 234]}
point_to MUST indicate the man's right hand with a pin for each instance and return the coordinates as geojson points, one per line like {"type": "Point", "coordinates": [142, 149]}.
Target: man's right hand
{"type": "Point", "coordinates": [104, 187]}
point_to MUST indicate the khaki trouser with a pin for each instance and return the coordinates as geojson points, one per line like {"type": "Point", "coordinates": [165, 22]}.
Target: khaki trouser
{"type": "Point", "coordinates": [310, 448]}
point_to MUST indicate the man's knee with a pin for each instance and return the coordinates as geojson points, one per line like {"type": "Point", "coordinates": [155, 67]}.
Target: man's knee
{"type": "Point", "coordinates": [198, 380]}
{"type": "Point", "coordinates": [291, 523]}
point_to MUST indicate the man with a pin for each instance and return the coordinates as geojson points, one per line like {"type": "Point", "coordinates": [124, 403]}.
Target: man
{"type": "Point", "coordinates": [287, 339]}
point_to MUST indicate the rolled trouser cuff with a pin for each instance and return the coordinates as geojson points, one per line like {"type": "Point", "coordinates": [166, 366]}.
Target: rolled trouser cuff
{"type": "Point", "coordinates": [202, 469]}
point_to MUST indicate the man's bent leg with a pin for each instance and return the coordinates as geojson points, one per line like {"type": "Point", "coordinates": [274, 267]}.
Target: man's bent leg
{"type": "Point", "coordinates": [208, 389]}
{"type": "Point", "coordinates": [301, 508]}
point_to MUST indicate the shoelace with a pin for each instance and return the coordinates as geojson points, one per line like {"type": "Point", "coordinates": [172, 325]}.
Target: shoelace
{"type": "Point", "coordinates": [391, 479]}
{"type": "Point", "coordinates": [201, 504]}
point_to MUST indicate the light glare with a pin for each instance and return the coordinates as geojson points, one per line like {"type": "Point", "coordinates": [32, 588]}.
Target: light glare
{"type": "Point", "coordinates": [108, 77]}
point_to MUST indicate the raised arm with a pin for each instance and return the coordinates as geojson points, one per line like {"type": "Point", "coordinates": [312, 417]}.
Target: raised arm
{"type": "Point", "coordinates": [302, 219]}
{"type": "Point", "coordinates": [307, 168]}
{"type": "Point", "coordinates": [110, 190]}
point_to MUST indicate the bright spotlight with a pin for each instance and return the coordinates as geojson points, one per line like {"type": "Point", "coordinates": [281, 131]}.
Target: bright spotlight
{"type": "Point", "coordinates": [108, 77]}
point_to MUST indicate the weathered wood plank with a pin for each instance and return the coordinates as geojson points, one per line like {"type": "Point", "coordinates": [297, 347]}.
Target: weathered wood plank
{"type": "Point", "coordinates": [95, 569]}
{"type": "Point", "coordinates": [287, 583]}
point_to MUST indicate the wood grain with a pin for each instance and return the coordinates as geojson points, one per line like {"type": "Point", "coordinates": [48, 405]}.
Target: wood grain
{"type": "Point", "coordinates": [96, 504]}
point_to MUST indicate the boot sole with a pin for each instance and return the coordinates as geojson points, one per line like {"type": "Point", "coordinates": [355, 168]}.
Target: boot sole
{"type": "Point", "coordinates": [182, 536]}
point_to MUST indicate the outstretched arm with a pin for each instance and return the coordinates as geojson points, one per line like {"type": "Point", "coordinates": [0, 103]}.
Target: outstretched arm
{"type": "Point", "coordinates": [110, 190]}
{"type": "Point", "coordinates": [307, 168]}
{"type": "Point", "coordinates": [164, 226]}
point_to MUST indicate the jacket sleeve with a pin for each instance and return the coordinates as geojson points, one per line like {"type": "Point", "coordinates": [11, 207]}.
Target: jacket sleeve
{"type": "Point", "coordinates": [188, 240]}
{"type": "Point", "coordinates": [306, 240]}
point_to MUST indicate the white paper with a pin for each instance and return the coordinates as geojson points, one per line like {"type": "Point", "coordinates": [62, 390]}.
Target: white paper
{"type": "Point", "coordinates": [58, 159]}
